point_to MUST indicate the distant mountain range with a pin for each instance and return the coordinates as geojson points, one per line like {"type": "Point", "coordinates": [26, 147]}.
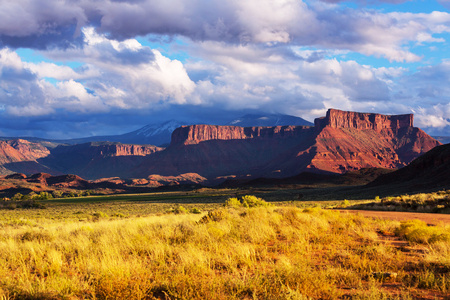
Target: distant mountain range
{"type": "Point", "coordinates": [153, 134]}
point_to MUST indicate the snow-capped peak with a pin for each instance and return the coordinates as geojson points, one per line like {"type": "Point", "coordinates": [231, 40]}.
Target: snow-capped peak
{"type": "Point", "coordinates": [155, 129]}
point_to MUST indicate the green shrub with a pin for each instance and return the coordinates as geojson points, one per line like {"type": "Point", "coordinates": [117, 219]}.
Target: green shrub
{"type": "Point", "coordinates": [344, 204]}
{"type": "Point", "coordinates": [99, 215]}
{"type": "Point", "coordinates": [233, 202]}
{"type": "Point", "coordinates": [246, 201]}
{"type": "Point", "coordinates": [195, 210]}
{"type": "Point", "coordinates": [252, 201]}
{"type": "Point", "coordinates": [57, 194]}
{"type": "Point", "coordinates": [180, 210]}
{"type": "Point", "coordinates": [214, 216]}
{"type": "Point", "coordinates": [119, 215]}
{"type": "Point", "coordinates": [17, 196]}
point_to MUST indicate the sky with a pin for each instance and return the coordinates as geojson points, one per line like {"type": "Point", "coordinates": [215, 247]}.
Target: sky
{"type": "Point", "coordinates": [77, 68]}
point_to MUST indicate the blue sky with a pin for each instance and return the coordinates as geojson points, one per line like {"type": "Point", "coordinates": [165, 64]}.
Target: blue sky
{"type": "Point", "coordinates": [79, 68]}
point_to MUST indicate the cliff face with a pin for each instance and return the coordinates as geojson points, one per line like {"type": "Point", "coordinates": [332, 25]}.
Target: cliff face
{"type": "Point", "coordinates": [347, 119]}
{"type": "Point", "coordinates": [115, 149]}
{"type": "Point", "coordinates": [98, 159]}
{"type": "Point", "coordinates": [348, 141]}
{"type": "Point", "coordinates": [21, 150]}
{"type": "Point", "coordinates": [105, 149]}
{"type": "Point", "coordinates": [194, 134]}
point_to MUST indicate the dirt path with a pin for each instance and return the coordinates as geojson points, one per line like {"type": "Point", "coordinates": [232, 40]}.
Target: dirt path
{"type": "Point", "coordinates": [401, 216]}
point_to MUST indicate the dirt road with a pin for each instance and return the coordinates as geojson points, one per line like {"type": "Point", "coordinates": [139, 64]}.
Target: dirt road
{"type": "Point", "coordinates": [402, 216]}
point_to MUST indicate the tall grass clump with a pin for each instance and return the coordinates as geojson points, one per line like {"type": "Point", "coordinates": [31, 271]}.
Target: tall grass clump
{"type": "Point", "coordinates": [417, 231]}
{"type": "Point", "coordinates": [246, 201]}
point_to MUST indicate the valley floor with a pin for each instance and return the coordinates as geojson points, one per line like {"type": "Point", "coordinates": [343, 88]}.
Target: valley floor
{"type": "Point", "coordinates": [139, 247]}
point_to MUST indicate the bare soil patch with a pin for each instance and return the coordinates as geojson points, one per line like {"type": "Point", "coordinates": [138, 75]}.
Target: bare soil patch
{"type": "Point", "coordinates": [429, 218]}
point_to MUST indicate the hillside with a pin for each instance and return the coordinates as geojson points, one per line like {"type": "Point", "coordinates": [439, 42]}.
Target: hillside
{"type": "Point", "coordinates": [431, 170]}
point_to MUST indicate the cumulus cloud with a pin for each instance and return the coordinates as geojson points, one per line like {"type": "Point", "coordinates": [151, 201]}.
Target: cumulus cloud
{"type": "Point", "coordinates": [249, 77]}
{"type": "Point", "coordinates": [116, 74]}
{"type": "Point", "coordinates": [435, 118]}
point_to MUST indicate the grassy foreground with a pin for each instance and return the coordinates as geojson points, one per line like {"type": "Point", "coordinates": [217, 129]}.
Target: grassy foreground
{"type": "Point", "coordinates": [254, 251]}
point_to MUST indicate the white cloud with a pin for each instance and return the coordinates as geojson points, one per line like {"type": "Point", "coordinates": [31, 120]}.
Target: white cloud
{"type": "Point", "coordinates": [437, 116]}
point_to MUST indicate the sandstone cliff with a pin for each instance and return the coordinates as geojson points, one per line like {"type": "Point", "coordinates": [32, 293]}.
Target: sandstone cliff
{"type": "Point", "coordinates": [21, 150]}
{"type": "Point", "coordinates": [97, 159]}
{"type": "Point", "coordinates": [106, 149]}
{"type": "Point", "coordinates": [347, 119]}
{"type": "Point", "coordinates": [194, 134]}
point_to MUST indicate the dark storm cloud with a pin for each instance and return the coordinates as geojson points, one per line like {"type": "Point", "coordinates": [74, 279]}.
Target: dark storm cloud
{"type": "Point", "coordinates": [40, 24]}
{"type": "Point", "coordinates": [62, 37]}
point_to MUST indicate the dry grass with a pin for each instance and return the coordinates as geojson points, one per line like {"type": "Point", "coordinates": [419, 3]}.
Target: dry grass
{"type": "Point", "coordinates": [437, 202]}
{"type": "Point", "coordinates": [268, 252]}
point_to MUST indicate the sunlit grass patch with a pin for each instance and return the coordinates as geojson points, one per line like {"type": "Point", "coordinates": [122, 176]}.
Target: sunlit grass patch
{"type": "Point", "coordinates": [417, 231]}
{"type": "Point", "coordinates": [232, 252]}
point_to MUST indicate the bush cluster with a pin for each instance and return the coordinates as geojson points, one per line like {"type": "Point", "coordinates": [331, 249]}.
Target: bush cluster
{"type": "Point", "coordinates": [246, 201]}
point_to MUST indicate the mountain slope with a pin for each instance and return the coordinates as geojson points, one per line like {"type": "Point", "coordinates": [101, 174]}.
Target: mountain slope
{"type": "Point", "coordinates": [431, 170]}
{"type": "Point", "coordinates": [17, 155]}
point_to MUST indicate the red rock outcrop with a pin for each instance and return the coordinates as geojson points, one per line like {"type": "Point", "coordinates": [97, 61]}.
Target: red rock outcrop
{"type": "Point", "coordinates": [30, 150]}
{"type": "Point", "coordinates": [347, 119]}
{"type": "Point", "coordinates": [108, 149]}
{"type": "Point", "coordinates": [126, 150]}
{"type": "Point", "coordinates": [21, 150]}
{"type": "Point", "coordinates": [194, 134]}
{"type": "Point", "coordinates": [340, 142]}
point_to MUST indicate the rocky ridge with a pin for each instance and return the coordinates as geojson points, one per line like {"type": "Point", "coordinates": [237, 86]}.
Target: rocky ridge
{"type": "Point", "coordinates": [195, 134]}
{"type": "Point", "coordinates": [347, 119]}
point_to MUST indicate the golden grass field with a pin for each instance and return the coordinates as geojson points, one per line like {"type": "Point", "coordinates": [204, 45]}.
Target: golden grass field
{"type": "Point", "coordinates": [149, 250]}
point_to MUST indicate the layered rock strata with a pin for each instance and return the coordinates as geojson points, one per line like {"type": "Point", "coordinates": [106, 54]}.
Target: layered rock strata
{"type": "Point", "coordinates": [347, 119]}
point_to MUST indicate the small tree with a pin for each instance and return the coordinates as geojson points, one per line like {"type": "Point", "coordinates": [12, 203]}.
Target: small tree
{"type": "Point", "coordinates": [17, 197]}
